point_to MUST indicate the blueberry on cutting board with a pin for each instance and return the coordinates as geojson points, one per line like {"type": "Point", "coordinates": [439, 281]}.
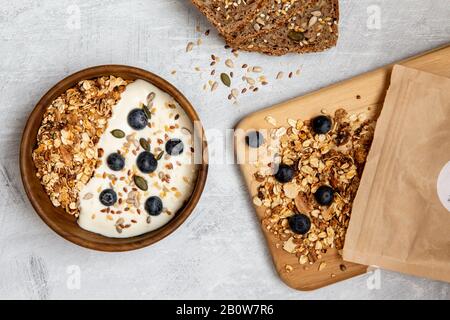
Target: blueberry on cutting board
{"type": "Point", "coordinates": [324, 195]}
{"type": "Point", "coordinates": [322, 124]}
{"type": "Point", "coordinates": [108, 197]}
{"type": "Point", "coordinates": [137, 119]}
{"type": "Point", "coordinates": [300, 224]}
{"type": "Point", "coordinates": [153, 206]}
{"type": "Point", "coordinates": [284, 173]}
{"type": "Point", "coordinates": [254, 139]}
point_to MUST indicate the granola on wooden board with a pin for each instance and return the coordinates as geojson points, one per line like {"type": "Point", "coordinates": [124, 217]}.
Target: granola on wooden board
{"type": "Point", "coordinates": [312, 162]}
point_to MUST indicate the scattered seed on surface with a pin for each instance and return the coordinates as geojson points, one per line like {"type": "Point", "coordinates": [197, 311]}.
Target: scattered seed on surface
{"type": "Point", "coordinates": [189, 46]}
{"type": "Point", "coordinates": [257, 69]}
{"type": "Point", "coordinates": [280, 75]}
{"type": "Point", "coordinates": [214, 86]}
{"type": "Point", "coordinates": [229, 63]}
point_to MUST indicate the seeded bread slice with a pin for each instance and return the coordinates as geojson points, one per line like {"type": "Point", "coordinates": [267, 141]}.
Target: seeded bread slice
{"type": "Point", "coordinates": [313, 29]}
{"type": "Point", "coordinates": [229, 16]}
{"type": "Point", "coordinates": [271, 15]}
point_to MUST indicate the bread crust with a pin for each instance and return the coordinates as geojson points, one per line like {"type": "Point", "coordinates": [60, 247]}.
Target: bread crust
{"type": "Point", "coordinates": [226, 28]}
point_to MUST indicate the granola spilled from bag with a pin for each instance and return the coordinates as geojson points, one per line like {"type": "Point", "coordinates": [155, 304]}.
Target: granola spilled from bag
{"type": "Point", "coordinates": [313, 164]}
{"type": "Point", "coordinates": [66, 155]}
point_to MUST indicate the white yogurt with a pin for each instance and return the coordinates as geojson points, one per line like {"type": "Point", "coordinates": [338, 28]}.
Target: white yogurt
{"type": "Point", "coordinates": [125, 219]}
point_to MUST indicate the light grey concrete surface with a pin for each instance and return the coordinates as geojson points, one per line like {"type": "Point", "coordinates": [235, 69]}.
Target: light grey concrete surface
{"type": "Point", "coordinates": [219, 252]}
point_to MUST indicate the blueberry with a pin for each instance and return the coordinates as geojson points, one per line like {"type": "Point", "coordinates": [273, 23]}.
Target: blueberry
{"type": "Point", "coordinates": [108, 197]}
{"type": "Point", "coordinates": [300, 223]}
{"type": "Point", "coordinates": [324, 195]}
{"type": "Point", "coordinates": [137, 119]}
{"type": "Point", "coordinates": [115, 162]}
{"type": "Point", "coordinates": [321, 124]}
{"type": "Point", "coordinates": [285, 173]}
{"type": "Point", "coordinates": [174, 147]}
{"type": "Point", "coordinates": [153, 206]}
{"type": "Point", "coordinates": [146, 162]}
{"type": "Point", "coordinates": [254, 139]}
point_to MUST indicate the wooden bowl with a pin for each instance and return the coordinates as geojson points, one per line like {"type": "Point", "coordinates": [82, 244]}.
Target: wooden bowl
{"type": "Point", "coordinates": [56, 218]}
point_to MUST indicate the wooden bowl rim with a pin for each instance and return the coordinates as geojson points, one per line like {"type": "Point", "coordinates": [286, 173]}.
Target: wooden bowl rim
{"type": "Point", "coordinates": [27, 164]}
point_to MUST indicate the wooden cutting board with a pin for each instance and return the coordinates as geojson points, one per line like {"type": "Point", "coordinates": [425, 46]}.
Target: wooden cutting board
{"type": "Point", "coordinates": [364, 93]}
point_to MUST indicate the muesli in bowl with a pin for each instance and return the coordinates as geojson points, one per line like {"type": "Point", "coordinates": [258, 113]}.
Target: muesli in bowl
{"type": "Point", "coordinates": [117, 154]}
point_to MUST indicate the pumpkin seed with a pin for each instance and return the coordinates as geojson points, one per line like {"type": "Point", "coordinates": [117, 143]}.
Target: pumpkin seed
{"type": "Point", "coordinates": [159, 156]}
{"type": "Point", "coordinates": [225, 79]}
{"type": "Point", "coordinates": [141, 183]}
{"type": "Point", "coordinates": [147, 111]}
{"type": "Point", "coordinates": [144, 144]}
{"type": "Point", "coordinates": [117, 133]}
{"type": "Point", "coordinates": [296, 36]}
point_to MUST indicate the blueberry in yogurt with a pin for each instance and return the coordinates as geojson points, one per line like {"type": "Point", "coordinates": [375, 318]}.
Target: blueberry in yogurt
{"type": "Point", "coordinates": [174, 147]}
{"type": "Point", "coordinates": [115, 162]}
{"type": "Point", "coordinates": [137, 119]}
{"type": "Point", "coordinates": [153, 206]}
{"type": "Point", "coordinates": [108, 197]}
{"type": "Point", "coordinates": [146, 162]}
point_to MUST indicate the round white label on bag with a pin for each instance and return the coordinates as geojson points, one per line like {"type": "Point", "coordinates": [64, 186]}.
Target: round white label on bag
{"type": "Point", "coordinates": [443, 186]}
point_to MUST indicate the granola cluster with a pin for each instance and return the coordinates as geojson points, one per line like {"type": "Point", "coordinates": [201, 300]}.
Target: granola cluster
{"type": "Point", "coordinates": [66, 154]}
{"type": "Point", "coordinates": [335, 159]}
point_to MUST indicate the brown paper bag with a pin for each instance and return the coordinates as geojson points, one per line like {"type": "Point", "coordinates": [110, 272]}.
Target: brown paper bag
{"type": "Point", "coordinates": [401, 217]}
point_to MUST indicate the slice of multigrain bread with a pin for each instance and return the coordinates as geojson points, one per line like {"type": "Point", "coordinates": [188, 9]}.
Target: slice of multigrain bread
{"type": "Point", "coordinates": [313, 28]}
{"type": "Point", "coordinates": [229, 16]}
{"type": "Point", "coordinates": [271, 15]}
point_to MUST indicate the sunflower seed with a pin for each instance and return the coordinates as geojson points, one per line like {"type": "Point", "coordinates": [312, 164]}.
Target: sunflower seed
{"type": "Point", "coordinates": [88, 196]}
{"type": "Point", "coordinates": [151, 96]}
{"type": "Point", "coordinates": [229, 63]}
{"type": "Point", "coordinates": [189, 46]}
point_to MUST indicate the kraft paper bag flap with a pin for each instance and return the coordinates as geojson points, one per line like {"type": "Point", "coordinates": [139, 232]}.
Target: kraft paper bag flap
{"type": "Point", "coordinates": [401, 217]}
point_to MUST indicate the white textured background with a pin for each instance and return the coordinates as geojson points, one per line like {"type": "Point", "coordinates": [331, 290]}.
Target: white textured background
{"type": "Point", "coordinates": [219, 252]}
